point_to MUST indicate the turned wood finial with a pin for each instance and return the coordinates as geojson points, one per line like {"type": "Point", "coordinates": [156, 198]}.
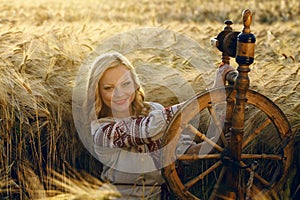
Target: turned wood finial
{"type": "Point", "coordinates": [247, 19]}
{"type": "Point", "coordinates": [228, 24]}
{"type": "Point", "coordinates": [245, 41]}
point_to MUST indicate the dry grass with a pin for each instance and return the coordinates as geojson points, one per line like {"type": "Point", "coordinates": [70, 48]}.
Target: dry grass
{"type": "Point", "coordinates": [67, 184]}
{"type": "Point", "coordinates": [43, 43]}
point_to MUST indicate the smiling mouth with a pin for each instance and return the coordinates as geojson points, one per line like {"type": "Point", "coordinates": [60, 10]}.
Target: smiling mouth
{"type": "Point", "coordinates": [120, 102]}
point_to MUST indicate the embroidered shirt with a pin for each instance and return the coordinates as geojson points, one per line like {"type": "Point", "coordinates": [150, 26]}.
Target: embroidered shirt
{"type": "Point", "coordinates": [134, 132]}
{"type": "Point", "coordinates": [129, 150]}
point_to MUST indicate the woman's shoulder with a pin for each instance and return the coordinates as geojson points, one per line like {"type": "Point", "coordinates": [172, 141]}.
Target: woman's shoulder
{"type": "Point", "coordinates": [155, 106]}
{"type": "Point", "coordinates": [98, 123]}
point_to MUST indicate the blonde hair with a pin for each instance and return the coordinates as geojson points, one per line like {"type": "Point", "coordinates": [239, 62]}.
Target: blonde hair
{"type": "Point", "coordinates": [98, 67]}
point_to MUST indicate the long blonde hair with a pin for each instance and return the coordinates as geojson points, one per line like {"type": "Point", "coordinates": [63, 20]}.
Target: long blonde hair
{"type": "Point", "coordinates": [97, 69]}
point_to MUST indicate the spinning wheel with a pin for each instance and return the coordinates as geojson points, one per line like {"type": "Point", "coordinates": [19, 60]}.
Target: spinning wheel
{"type": "Point", "coordinates": [255, 160]}
{"type": "Point", "coordinates": [273, 157]}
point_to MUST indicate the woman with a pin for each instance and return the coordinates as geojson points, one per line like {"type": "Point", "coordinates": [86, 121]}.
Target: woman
{"type": "Point", "coordinates": [127, 131]}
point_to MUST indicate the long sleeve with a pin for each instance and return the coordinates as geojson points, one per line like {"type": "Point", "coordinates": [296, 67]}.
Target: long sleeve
{"type": "Point", "coordinates": [129, 132]}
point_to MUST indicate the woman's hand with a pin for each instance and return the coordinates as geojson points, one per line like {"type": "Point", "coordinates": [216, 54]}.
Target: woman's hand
{"type": "Point", "coordinates": [221, 75]}
{"type": "Point", "coordinates": [203, 147]}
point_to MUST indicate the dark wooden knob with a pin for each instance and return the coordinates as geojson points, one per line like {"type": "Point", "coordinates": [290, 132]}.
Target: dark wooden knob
{"type": "Point", "coordinates": [228, 25]}
{"type": "Point", "coordinates": [228, 22]}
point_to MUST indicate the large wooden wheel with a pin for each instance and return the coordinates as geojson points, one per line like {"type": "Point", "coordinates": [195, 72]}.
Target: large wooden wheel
{"type": "Point", "coordinates": [267, 148]}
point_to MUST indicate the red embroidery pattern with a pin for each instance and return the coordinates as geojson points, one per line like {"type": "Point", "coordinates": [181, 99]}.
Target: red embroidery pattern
{"type": "Point", "coordinates": [132, 132]}
{"type": "Point", "coordinates": [136, 132]}
{"type": "Point", "coordinates": [170, 111]}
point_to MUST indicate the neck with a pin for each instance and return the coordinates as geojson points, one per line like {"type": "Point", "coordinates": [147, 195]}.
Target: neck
{"type": "Point", "coordinates": [124, 114]}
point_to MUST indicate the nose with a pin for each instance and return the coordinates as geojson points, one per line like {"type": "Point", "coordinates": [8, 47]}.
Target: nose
{"type": "Point", "coordinates": [118, 92]}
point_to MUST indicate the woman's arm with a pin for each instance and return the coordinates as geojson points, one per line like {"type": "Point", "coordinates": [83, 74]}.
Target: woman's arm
{"type": "Point", "coordinates": [221, 74]}
{"type": "Point", "coordinates": [134, 131]}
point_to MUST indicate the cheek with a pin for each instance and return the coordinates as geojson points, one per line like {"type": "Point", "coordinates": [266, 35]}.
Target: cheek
{"type": "Point", "coordinates": [132, 97]}
{"type": "Point", "coordinates": [130, 91]}
{"type": "Point", "coordinates": [106, 97]}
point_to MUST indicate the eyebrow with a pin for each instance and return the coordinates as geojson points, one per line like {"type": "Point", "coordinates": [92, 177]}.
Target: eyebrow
{"type": "Point", "coordinates": [119, 82]}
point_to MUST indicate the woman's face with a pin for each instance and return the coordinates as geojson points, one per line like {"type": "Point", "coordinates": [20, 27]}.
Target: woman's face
{"type": "Point", "coordinates": [117, 90]}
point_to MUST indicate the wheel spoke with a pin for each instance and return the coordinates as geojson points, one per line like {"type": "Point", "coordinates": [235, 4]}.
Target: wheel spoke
{"type": "Point", "coordinates": [202, 175]}
{"type": "Point", "coordinates": [214, 193]}
{"type": "Point", "coordinates": [257, 193]}
{"type": "Point", "coordinates": [203, 137]}
{"type": "Point", "coordinates": [213, 113]}
{"type": "Point", "coordinates": [258, 177]}
{"type": "Point", "coordinates": [262, 156]}
{"type": "Point", "coordinates": [198, 157]}
{"type": "Point", "coordinates": [256, 132]}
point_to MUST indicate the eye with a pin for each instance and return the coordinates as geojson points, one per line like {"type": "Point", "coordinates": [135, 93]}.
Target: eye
{"type": "Point", "coordinates": [108, 88]}
{"type": "Point", "coordinates": [126, 84]}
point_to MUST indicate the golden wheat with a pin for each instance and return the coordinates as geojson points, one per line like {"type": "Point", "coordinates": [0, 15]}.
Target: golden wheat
{"type": "Point", "coordinates": [43, 43]}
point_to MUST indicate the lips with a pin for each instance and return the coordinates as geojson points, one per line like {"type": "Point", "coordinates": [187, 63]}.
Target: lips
{"type": "Point", "coordinates": [120, 102]}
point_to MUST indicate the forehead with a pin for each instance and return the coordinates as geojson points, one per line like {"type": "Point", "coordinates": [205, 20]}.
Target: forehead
{"type": "Point", "coordinates": [115, 75]}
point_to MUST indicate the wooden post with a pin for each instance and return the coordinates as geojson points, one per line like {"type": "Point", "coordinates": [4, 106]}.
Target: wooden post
{"type": "Point", "coordinates": [244, 57]}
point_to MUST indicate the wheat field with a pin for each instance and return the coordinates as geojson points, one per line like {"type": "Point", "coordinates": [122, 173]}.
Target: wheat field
{"type": "Point", "coordinates": [44, 43]}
